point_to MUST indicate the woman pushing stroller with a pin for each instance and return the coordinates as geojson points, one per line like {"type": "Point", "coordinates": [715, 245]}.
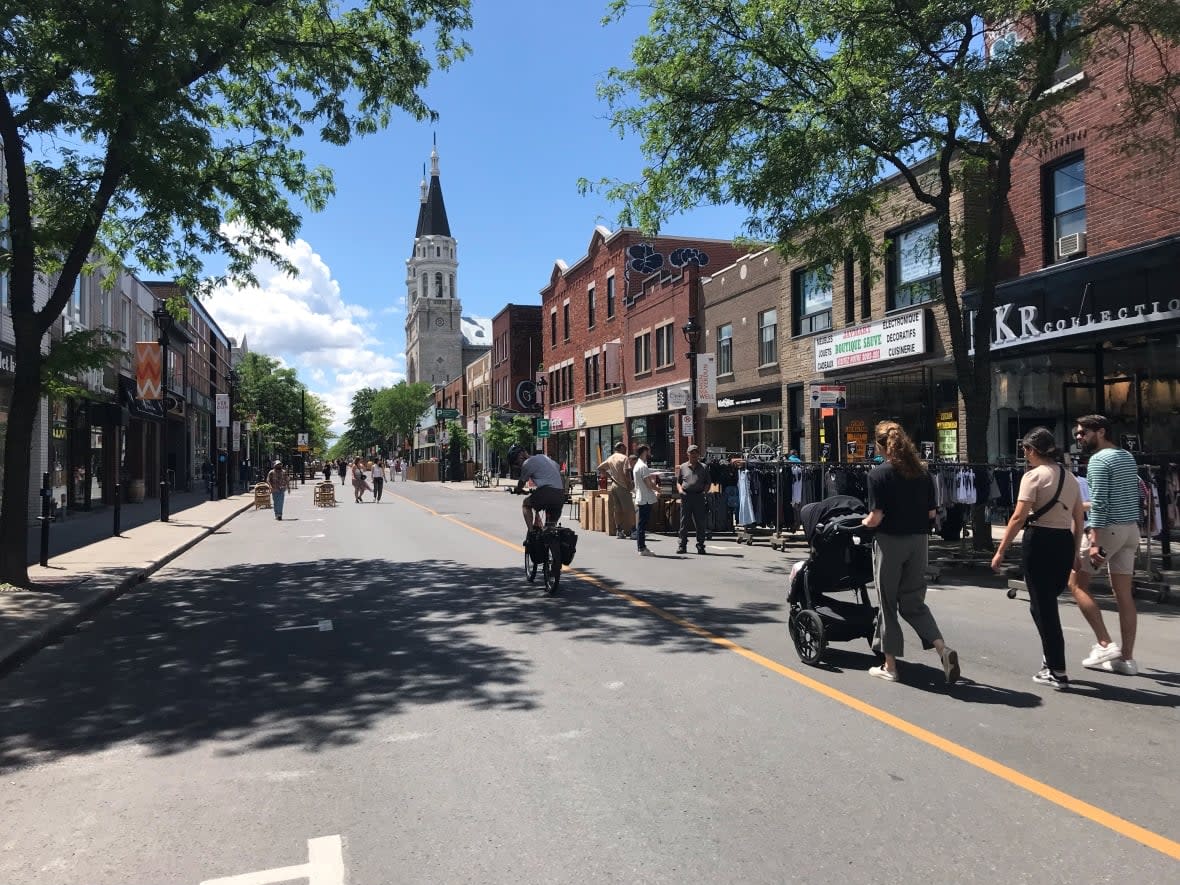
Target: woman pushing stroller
{"type": "Point", "coordinates": [901, 504]}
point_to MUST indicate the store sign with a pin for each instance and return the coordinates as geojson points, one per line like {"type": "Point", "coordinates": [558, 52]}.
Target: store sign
{"type": "Point", "coordinates": [888, 339]}
{"type": "Point", "coordinates": [752, 398]}
{"type": "Point", "coordinates": [1029, 323]}
{"type": "Point", "coordinates": [222, 410]}
{"type": "Point", "coordinates": [947, 427]}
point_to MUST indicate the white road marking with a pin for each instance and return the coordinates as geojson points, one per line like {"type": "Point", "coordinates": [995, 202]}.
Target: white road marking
{"type": "Point", "coordinates": [325, 866]}
{"type": "Point", "coordinates": [322, 626]}
{"type": "Point", "coordinates": [405, 736]}
{"type": "Point", "coordinates": [311, 537]}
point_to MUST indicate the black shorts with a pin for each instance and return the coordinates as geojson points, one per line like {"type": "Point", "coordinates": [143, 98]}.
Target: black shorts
{"type": "Point", "coordinates": [546, 498]}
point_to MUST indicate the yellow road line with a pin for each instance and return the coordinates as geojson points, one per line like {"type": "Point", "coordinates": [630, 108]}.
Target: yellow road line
{"type": "Point", "coordinates": [1084, 809]}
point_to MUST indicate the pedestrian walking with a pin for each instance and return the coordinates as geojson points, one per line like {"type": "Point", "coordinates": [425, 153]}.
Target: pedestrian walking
{"type": "Point", "coordinates": [646, 483]}
{"type": "Point", "coordinates": [360, 483]}
{"type": "Point", "coordinates": [327, 471]}
{"type": "Point", "coordinates": [901, 505]}
{"type": "Point", "coordinates": [620, 498]}
{"type": "Point", "coordinates": [277, 480]}
{"type": "Point", "coordinates": [377, 475]}
{"type": "Point", "coordinates": [399, 469]}
{"type": "Point", "coordinates": [1049, 510]}
{"type": "Point", "coordinates": [341, 469]}
{"type": "Point", "coordinates": [1114, 540]}
{"type": "Point", "coordinates": [692, 479]}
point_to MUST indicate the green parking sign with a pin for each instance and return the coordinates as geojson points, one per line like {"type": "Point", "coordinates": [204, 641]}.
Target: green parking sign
{"type": "Point", "coordinates": [542, 428]}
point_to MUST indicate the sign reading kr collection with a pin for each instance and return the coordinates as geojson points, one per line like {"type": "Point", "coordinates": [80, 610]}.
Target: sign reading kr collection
{"type": "Point", "coordinates": [888, 339]}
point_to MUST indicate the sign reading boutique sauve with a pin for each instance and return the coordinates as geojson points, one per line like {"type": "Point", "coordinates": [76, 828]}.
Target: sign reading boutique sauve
{"type": "Point", "coordinates": [891, 338]}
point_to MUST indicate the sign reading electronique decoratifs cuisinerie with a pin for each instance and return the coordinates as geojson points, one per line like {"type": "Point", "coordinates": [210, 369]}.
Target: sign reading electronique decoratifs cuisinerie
{"type": "Point", "coordinates": [888, 339]}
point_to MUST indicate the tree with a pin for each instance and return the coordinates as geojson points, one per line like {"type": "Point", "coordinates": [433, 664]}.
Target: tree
{"type": "Point", "coordinates": [501, 435]}
{"type": "Point", "coordinates": [362, 434]}
{"type": "Point", "coordinates": [276, 404]}
{"type": "Point", "coordinates": [460, 439]}
{"type": "Point", "coordinates": [798, 111]}
{"type": "Point", "coordinates": [396, 410]}
{"type": "Point", "coordinates": [134, 130]}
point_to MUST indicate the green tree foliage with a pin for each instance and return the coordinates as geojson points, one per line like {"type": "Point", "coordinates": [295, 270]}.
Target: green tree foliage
{"type": "Point", "coordinates": [500, 435]}
{"type": "Point", "coordinates": [362, 434]}
{"type": "Point", "coordinates": [277, 405]}
{"type": "Point", "coordinates": [396, 410]}
{"type": "Point", "coordinates": [139, 128]}
{"type": "Point", "coordinates": [459, 437]}
{"type": "Point", "coordinates": [78, 351]}
{"type": "Point", "coordinates": [798, 111]}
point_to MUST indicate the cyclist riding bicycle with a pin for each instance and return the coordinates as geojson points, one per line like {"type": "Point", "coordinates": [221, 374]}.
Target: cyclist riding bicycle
{"type": "Point", "coordinates": [549, 494]}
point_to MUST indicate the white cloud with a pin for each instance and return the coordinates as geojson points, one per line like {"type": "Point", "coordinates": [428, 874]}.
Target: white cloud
{"type": "Point", "coordinates": [304, 322]}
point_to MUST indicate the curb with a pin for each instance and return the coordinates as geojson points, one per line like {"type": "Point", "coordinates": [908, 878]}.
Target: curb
{"type": "Point", "coordinates": [19, 652]}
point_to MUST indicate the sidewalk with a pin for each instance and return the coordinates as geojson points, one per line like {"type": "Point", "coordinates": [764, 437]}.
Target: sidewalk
{"type": "Point", "coordinates": [89, 573]}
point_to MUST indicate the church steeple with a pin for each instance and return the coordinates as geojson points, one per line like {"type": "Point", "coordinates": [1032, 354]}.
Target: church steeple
{"type": "Point", "coordinates": [432, 215]}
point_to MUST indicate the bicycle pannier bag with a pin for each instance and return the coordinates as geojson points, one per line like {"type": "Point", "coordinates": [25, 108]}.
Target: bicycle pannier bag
{"type": "Point", "coordinates": [569, 544]}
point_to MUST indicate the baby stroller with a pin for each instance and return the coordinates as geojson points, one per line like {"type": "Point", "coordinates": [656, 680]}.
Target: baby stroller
{"type": "Point", "coordinates": [840, 559]}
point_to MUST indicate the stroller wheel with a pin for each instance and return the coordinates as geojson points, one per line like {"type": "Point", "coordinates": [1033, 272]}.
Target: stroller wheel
{"type": "Point", "coordinates": [807, 632]}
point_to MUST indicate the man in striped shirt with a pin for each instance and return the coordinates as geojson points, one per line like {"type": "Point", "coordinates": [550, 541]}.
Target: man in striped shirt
{"type": "Point", "coordinates": [1114, 540]}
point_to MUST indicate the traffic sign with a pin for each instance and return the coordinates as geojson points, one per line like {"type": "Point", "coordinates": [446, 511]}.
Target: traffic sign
{"type": "Point", "coordinates": [301, 439]}
{"type": "Point", "coordinates": [446, 413]}
{"type": "Point", "coordinates": [542, 428]}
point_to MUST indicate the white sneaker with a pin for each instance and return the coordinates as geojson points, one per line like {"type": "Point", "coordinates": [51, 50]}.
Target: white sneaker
{"type": "Point", "coordinates": [882, 673]}
{"type": "Point", "coordinates": [646, 552]}
{"type": "Point", "coordinates": [1099, 654]}
{"type": "Point", "coordinates": [1121, 665]}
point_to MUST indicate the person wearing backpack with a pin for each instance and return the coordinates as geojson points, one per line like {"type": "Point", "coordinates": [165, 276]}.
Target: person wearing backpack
{"type": "Point", "coordinates": [1049, 509]}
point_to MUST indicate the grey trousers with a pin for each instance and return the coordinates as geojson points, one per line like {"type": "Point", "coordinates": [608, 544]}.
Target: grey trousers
{"type": "Point", "coordinates": [693, 509]}
{"type": "Point", "coordinates": [899, 570]}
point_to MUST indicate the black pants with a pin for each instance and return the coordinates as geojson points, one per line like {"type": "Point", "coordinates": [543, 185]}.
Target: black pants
{"type": "Point", "coordinates": [692, 507]}
{"type": "Point", "coordinates": [1047, 558]}
{"type": "Point", "coordinates": [378, 485]}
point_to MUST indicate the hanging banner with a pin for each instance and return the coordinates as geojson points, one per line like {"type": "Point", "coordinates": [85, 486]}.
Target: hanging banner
{"type": "Point", "coordinates": [148, 372]}
{"type": "Point", "coordinates": [896, 336]}
{"type": "Point", "coordinates": [222, 410]}
{"type": "Point", "coordinates": [706, 378]}
{"type": "Point", "coordinates": [236, 436]}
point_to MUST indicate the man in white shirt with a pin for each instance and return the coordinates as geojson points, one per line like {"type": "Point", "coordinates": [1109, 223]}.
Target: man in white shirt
{"type": "Point", "coordinates": [377, 474]}
{"type": "Point", "coordinates": [646, 485]}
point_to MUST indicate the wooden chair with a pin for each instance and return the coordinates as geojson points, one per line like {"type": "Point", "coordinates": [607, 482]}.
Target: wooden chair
{"type": "Point", "coordinates": [325, 495]}
{"type": "Point", "coordinates": [262, 496]}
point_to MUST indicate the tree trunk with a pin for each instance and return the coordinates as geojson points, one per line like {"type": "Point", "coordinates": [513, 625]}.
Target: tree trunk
{"type": "Point", "coordinates": [22, 416]}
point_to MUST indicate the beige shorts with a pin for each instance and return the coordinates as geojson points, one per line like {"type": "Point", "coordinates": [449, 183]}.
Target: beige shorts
{"type": "Point", "coordinates": [1121, 543]}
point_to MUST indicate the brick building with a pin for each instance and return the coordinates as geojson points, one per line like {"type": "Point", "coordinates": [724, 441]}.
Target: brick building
{"type": "Point", "coordinates": [599, 322]}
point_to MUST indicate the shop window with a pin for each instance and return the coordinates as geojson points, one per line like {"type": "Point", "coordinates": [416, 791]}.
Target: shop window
{"type": "Point", "coordinates": [768, 337]}
{"type": "Point", "coordinates": [569, 381]}
{"type": "Point", "coordinates": [665, 345]}
{"type": "Point", "coordinates": [610, 297]}
{"type": "Point", "coordinates": [914, 266]}
{"type": "Point", "coordinates": [1065, 205]}
{"type": "Point", "coordinates": [643, 353]}
{"type": "Point", "coordinates": [812, 296]}
{"type": "Point", "coordinates": [765, 429]}
{"type": "Point", "coordinates": [590, 308]}
{"type": "Point", "coordinates": [725, 349]}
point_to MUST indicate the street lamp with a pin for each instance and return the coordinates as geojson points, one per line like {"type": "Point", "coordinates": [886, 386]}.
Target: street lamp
{"type": "Point", "coordinates": [414, 448]}
{"type": "Point", "coordinates": [541, 384]}
{"type": "Point", "coordinates": [164, 323]}
{"type": "Point", "coordinates": [692, 337]}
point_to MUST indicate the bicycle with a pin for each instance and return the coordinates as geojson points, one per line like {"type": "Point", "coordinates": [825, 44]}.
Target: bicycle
{"type": "Point", "coordinates": [551, 565]}
{"type": "Point", "coordinates": [482, 480]}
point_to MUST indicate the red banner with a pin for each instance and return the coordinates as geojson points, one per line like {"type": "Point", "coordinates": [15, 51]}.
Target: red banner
{"type": "Point", "coordinates": [148, 370]}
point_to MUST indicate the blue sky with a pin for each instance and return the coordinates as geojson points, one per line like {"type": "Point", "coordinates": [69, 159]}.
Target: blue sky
{"type": "Point", "coordinates": [519, 123]}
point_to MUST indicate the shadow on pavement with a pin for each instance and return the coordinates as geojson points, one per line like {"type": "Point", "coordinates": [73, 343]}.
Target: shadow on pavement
{"type": "Point", "coordinates": [198, 656]}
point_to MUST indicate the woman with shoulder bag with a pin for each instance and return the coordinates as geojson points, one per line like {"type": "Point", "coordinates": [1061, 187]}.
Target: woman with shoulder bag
{"type": "Point", "coordinates": [1049, 510]}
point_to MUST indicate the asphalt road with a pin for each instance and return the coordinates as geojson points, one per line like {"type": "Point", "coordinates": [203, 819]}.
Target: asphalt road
{"type": "Point", "coordinates": [652, 724]}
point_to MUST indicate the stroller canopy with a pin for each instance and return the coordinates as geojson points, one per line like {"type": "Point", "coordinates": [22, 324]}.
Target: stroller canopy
{"type": "Point", "coordinates": [811, 515]}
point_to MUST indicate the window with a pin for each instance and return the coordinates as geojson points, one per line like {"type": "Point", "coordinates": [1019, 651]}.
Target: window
{"type": "Point", "coordinates": [553, 328]}
{"type": "Point", "coordinates": [450, 285]}
{"type": "Point", "coordinates": [438, 251]}
{"type": "Point", "coordinates": [1067, 65]}
{"type": "Point", "coordinates": [813, 300]}
{"type": "Point", "coordinates": [590, 307]}
{"type": "Point", "coordinates": [768, 338]}
{"type": "Point", "coordinates": [725, 349]}
{"type": "Point", "coordinates": [610, 297]}
{"type": "Point", "coordinates": [914, 266]}
{"type": "Point", "coordinates": [643, 353]}
{"type": "Point", "coordinates": [665, 344]}
{"type": "Point", "coordinates": [438, 283]}
{"type": "Point", "coordinates": [1067, 210]}
{"type": "Point", "coordinates": [565, 319]}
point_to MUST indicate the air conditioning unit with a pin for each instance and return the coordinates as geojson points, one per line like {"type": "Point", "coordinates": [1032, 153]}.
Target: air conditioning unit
{"type": "Point", "coordinates": [1074, 244]}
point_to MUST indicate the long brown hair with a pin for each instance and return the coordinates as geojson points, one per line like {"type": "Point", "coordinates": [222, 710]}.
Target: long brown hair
{"type": "Point", "coordinates": [898, 448]}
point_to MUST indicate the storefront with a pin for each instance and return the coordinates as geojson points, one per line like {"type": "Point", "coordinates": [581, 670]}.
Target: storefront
{"type": "Point", "coordinates": [895, 368]}
{"type": "Point", "coordinates": [7, 377]}
{"type": "Point", "coordinates": [601, 427]}
{"type": "Point", "coordinates": [743, 420]}
{"type": "Point", "coordinates": [1099, 334]}
{"type": "Point", "coordinates": [562, 445]}
{"type": "Point", "coordinates": [654, 418]}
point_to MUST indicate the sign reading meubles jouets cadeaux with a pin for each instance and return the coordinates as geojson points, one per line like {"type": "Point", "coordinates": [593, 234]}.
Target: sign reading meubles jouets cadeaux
{"type": "Point", "coordinates": [887, 339]}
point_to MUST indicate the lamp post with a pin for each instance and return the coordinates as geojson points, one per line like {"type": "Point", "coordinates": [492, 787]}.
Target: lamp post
{"type": "Point", "coordinates": [414, 448]}
{"type": "Point", "coordinates": [541, 384]}
{"type": "Point", "coordinates": [692, 337]}
{"type": "Point", "coordinates": [164, 323]}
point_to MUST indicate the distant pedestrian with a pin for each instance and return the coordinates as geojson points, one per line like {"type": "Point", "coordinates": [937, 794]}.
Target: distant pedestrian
{"type": "Point", "coordinates": [646, 483]}
{"type": "Point", "coordinates": [399, 469]}
{"type": "Point", "coordinates": [620, 499]}
{"type": "Point", "coordinates": [377, 475]}
{"type": "Point", "coordinates": [901, 505]}
{"type": "Point", "coordinates": [341, 469]}
{"type": "Point", "coordinates": [1050, 512]}
{"type": "Point", "coordinates": [692, 479]}
{"type": "Point", "coordinates": [327, 471]}
{"type": "Point", "coordinates": [359, 482]}
{"type": "Point", "coordinates": [793, 456]}
{"type": "Point", "coordinates": [1114, 541]}
{"type": "Point", "coordinates": [277, 480]}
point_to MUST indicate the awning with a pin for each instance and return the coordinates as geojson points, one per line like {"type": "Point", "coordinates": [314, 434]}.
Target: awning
{"type": "Point", "coordinates": [150, 409]}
